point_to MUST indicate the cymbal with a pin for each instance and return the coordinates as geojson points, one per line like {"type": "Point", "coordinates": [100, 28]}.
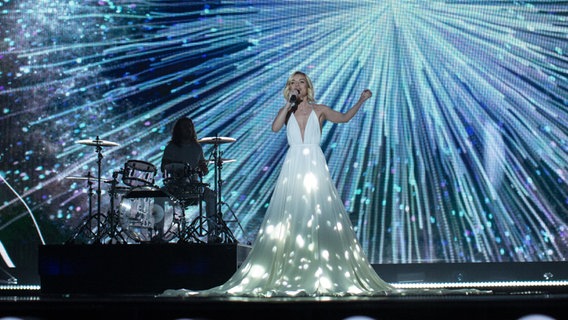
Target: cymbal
{"type": "Point", "coordinates": [84, 178]}
{"type": "Point", "coordinates": [102, 143]}
{"type": "Point", "coordinates": [223, 160]}
{"type": "Point", "coordinates": [216, 140]}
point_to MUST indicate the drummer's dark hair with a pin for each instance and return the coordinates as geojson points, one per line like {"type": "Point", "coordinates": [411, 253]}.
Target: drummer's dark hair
{"type": "Point", "coordinates": [184, 131]}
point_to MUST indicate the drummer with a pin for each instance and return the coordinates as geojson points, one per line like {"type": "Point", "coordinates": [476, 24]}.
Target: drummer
{"type": "Point", "coordinates": [184, 148]}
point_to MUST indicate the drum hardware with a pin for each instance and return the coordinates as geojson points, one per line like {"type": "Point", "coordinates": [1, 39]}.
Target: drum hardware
{"type": "Point", "coordinates": [172, 225]}
{"type": "Point", "coordinates": [202, 225]}
{"type": "Point", "coordinates": [135, 218]}
{"type": "Point", "coordinates": [184, 184]}
{"type": "Point", "coordinates": [146, 213]}
{"type": "Point", "coordinates": [114, 232]}
{"type": "Point", "coordinates": [137, 173]}
{"type": "Point", "coordinates": [86, 177]}
{"type": "Point", "coordinates": [194, 231]}
{"type": "Point", "coordinates": [86, 225]}
{"type": "Point", "coordinates": [222, 161]}
{"type": "Point", "coordinates": [150, 214]}
{"type": "Point", "coordinates": [145, 193]}
{"type": "Point", "coordinates": [216, 140]}
{"type": "Point", "coordinates": [89, 179]}
{"type": "Point", "coordinates": [98, 144]}
{"type": "Point", "coordinates": [217, 159]}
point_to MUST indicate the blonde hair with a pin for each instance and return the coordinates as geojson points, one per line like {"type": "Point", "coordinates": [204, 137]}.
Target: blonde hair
{"type": "Point", "coordinates": [311, 93]}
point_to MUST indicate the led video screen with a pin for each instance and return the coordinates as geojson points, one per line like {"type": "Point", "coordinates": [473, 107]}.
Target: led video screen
{"type": "Point", "coordinates": [461, 154]}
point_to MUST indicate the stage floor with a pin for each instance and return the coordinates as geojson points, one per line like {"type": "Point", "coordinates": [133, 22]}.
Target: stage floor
{"type": "Point", "coordinates": [534, 304]}
{"type": "Point", "coordinates": [121, 282]}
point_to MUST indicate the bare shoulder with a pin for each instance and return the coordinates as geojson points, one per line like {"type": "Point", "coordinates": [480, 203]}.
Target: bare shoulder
{"type": "Point", "coordinates": [324, 112]}
{"type": "Point", "coordinates": [320, 108]}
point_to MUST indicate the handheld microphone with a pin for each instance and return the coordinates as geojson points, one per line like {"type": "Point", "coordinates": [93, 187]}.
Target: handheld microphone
{"type": "Point", "coordinates": [293, 104]}
{"type": "Point", "coordinates": [293, 99]}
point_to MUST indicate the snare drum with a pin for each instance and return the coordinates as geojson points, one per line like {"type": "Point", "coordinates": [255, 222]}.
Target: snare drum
{"type": "Point", "coordinates": [138, 173]}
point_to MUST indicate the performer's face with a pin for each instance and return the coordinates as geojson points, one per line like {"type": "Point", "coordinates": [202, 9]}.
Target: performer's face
{"type": "Point", "coordinates": [299, 84]}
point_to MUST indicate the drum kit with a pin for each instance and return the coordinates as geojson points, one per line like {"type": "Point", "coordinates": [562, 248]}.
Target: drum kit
{"type": "Point", "coordinates": [148, 213]}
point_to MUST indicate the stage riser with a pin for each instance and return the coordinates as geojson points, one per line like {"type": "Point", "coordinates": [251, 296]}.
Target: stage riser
{"type": "Point", "coordinates": [152, 268]}
{"type": "Point", "coordinates": [144, 268]}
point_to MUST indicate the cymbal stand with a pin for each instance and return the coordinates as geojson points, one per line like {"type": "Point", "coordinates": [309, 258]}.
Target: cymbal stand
{"type": "Point", "coordinates": [99, 144]}
{"type": "Point", "coordinates": [90, 184]}
{"type": "Point", "coordinates": [225, 232]}
{"type": "Point", "coordinates": [198, 230]}
{"type": "Point", "coordinates": [99, 150]}
{"type": "Point", "coordinates": [87, 223]}
{"type": "Point", "coordinates": [195, 230]}
{"type": "Point", "coordinates": [113, 219]}
{"type": "Point", "coordinates": [97, 234]}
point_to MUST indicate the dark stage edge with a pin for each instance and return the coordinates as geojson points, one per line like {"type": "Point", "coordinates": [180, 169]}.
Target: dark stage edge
{"type": "Point", "coordinates": [152, 268]}
{"type": "Point", "coordinates": [121, 282]}
{"type": "Point", "coordinates": [502, 307]}
{"type": "Point", "coordinates": [136, 268]}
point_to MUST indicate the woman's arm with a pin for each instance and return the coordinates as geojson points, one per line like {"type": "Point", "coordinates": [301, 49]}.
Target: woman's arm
{"type": "Point", "coordinates": [280, 119]}
{"type": "Point", "coordinates": [339, 117]}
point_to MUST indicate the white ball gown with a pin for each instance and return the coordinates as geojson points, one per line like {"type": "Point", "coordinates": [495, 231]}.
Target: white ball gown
{"type": "Point", "coordinates": [306, 245]}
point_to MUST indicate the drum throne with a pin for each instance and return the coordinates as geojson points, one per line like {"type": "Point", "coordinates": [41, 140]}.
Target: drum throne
{"type": "Point", "coordinates": [185, 186]}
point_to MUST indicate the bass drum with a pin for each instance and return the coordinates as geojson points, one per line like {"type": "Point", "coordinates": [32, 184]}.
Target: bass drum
{"type": "Point", "coordinates": [150, 219]}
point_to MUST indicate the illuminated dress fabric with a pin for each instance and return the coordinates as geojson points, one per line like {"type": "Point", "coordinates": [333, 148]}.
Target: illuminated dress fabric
{"type": "Point", "coordinates": [306, 245]}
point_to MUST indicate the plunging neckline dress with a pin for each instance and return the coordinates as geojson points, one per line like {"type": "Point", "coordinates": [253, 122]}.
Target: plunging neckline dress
{"type": "Point", "coordinates": [306, 245]}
